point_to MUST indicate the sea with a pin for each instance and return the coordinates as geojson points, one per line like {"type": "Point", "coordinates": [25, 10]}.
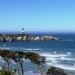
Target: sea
{"type": "Point", "coordinates": [59, 53]}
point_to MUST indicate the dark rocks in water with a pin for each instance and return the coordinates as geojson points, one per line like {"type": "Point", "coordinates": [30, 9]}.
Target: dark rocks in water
{"type": "Point", "coordinates": [55, 71]}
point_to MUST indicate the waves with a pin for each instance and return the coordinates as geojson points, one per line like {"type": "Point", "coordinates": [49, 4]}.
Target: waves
{"type": "Point", "coordinates": [57, 53]}
{"type": "Point", "coordinates": [18, 48]}
{"type": "Point", "coordinates": [33, 49]}
{"type": "Point", "coordinates": [66, 67]}
{"type": "Point", "coordinates": [65, 60]}
{"type": "Point", "coordinates": [62, 60]}
{"type": "Point", "coordinates": [67, 40]}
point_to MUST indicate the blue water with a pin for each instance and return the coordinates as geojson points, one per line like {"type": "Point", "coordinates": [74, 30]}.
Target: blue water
{"type": "Point", "coordinates": [59, 53]}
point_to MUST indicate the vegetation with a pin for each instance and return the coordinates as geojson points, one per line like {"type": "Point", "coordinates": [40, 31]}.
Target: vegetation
{"type": "Point", "coordinates": [38, 60]}
{"type": "Point", "coordinates": [5, 71]}
{"type": "Point", "coordinates": [18, 57]}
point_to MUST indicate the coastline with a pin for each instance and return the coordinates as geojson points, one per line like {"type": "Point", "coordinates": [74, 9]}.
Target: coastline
{"type": "Point", "coordinates": [69, 72]}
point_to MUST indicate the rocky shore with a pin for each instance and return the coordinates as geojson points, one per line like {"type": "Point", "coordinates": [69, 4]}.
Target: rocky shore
{"type": "Point", "coordinates": [26, 37]}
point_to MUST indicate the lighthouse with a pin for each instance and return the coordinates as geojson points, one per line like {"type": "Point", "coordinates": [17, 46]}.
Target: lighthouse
{"type": "Point", "coordinates": [22, 31]}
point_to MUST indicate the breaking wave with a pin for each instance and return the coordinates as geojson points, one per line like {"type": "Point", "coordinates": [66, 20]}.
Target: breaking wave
{"type": "Point", "coordinates": [59, 60]}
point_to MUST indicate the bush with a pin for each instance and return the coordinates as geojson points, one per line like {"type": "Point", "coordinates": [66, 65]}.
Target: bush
{"type": "Point", "coordinates": [5, 71]}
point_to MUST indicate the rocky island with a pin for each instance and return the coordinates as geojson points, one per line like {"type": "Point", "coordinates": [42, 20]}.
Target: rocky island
{"type": "Point", "coordinates": [26, 37]}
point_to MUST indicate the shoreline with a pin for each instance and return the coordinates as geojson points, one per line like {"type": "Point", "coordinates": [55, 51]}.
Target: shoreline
{"type": "Point", "coordinates": [69, 72]}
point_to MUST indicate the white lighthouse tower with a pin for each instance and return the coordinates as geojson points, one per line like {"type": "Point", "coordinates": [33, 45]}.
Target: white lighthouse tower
{"type": "Point", "coordinates": [22, 31]}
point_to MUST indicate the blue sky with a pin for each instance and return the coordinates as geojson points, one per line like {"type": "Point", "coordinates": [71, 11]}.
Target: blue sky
{"type": "Point", "coordinates": [37, 15]}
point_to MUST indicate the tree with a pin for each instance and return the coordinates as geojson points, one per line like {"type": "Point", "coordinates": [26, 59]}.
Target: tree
{"type": "Point", "coordinates": [19, 60]}
{"type": "Point", "coordinates": [36, 59]}
{"type": "Point", "coordinates": [4, 54]}
{"type": "Point", "coordinates": [18, 56]}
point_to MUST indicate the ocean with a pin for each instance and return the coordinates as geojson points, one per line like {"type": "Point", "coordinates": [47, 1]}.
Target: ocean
{"type": "Point", "coordinates": [58, 53]}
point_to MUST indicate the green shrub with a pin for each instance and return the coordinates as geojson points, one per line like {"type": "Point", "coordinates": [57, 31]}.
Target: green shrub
{"type": "Point", "coordinates": [5, 71]}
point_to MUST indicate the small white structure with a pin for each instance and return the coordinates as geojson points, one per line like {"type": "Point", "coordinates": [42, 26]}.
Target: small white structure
{"type": "Point", "coordinates": [19, 38]}
{"type": "Point", "coordinates": [37, 38]}
{"type": "Point", "coordinates": [22, 30]}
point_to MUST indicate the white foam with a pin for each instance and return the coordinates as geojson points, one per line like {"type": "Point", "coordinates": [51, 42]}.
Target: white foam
{"type": "Point", "coordinates": [70, 40]}
{"type": "Point", "coordinates": [36, 49]}
{"type": "Point", "coordinates": [33, 49]}
{"type": "Point", "coordinates": [53, 55]}
{"type": "Point", "coordinates": [55, 59]}
{"type": "Point", "coordinates": [69, 53]}
{"type": "Point", "coordinates": [54, 52]}
{"type": "Point", "coordinates": [67, 58]}
{"type": "Point", "coordinates": [66, 67]}
{"type": "Point", "coordinates": [50, 59]}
